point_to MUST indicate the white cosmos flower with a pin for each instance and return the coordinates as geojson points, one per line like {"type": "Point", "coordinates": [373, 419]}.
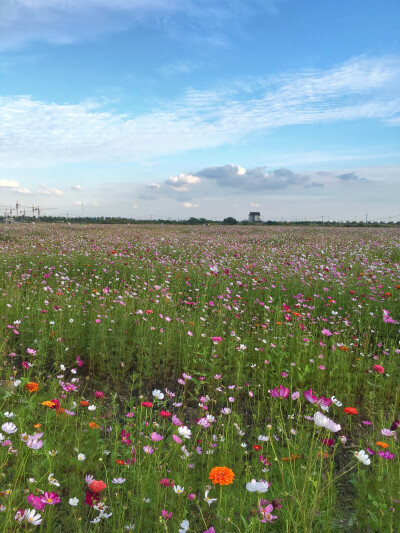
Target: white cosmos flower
{"type": "Point", "coordinates": [53, 481]}
{"type": "Point", "coordinates": [9, 415]}
{"type": "Point", "coordinates": [207, 499]}
{"type": "Point", "coordinates": [257, 486]}
{"type": "Point", "coordinates": [33, 518]}
{"type": "Point", "coordinates": [81, 457]}
{"type": "Point", "coordinates": [17, 382]}
{"type": "Point", "coordinates": [9, 427]}
{"type": "Point", "coordinates": [336, 401]}
{"type": "Point", "coordinates": [263, 438]}
{"type": "Point", "coordinates": [184, 526]}
{"type": "Point", "coordinates": [92, 408]}
{"type": "Point", "coordinates": [118, 480]}
{"type": "Point", "coordinates": [73, 502]}
{"type": "Point", "coordinates": [158, 394]}
{"type": "Point", "coordinates": [363, 457]}
{"type": "Point", "coordinates": [325, 422]}
{"type": "Point", "coordinates": [178, 489]}
{"type": "Point", "coordinates": [184, 432]}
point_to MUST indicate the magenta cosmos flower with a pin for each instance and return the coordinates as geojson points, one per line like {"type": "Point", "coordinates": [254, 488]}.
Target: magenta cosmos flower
{"type": "Point", "coordinates": [283, 392]}
{"type": "Point", "coordinates": [322, 402]}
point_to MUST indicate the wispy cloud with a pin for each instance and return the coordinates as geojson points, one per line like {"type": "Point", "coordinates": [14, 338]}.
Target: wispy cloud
{"type": "Point", "coordinates": [40, 133]}
{"type": "Point", "coordinates": [63, 22]}
{"type": "Point", "coordinates": [50, 191]}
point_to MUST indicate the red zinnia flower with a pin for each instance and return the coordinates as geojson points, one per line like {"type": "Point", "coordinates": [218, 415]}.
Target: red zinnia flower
{"type": "Point", "coordinates": [97, 486]}
{"type": "Point", "coordinates": [257, 447]}
{"type": "Point", "coordinates": [147, 404]}
{"type": "Point", "coordinates": [165, 414]}
{"type": "Point", "coordinates": [351, 410]}
{"type": "Point", "coordinates": [379, 369]}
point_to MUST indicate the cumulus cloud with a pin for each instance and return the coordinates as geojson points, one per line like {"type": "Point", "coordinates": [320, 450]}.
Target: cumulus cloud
{"type": "Point", "coordinates": [8, 183]}
{"type": "Point", "coordinates": [189, 204]}
{"type": "Point", "coordinates": [256, 179]}
{"type": "Point", "coordinates": [77, 188]}
{"type": "Point", "coordinates": [153, 185]}
{"type": "Point", "coordinates": [350, 176]}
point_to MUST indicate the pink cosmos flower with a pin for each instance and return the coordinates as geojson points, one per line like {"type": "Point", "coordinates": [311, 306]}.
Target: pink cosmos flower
{"type": "Point", "coordinates": [148, 449]}
{"type": "Point", "coordinates": [177, 439]}
{"type": "Point", "coordinates": [216, 340]}
{"type": "Point", "coordinates": [155, 437]}
{"type": "Point", "coordinates": [266, 513]}
{"type": "Point", "coordinates": [50, 498]}
{"type": "Point", "coordinates": [166, 514]}
{"type": "Point", "coordinates": [326, 332]}
{"type": "Point", "coordinates": [175, 420]}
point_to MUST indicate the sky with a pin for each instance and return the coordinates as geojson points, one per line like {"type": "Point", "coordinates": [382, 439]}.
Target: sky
{"type": "Point", "coordinates": [201, 108]}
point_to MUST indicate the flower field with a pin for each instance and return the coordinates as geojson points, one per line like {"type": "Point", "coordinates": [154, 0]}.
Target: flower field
{"type": "Point", "coordinates": [201, 379]}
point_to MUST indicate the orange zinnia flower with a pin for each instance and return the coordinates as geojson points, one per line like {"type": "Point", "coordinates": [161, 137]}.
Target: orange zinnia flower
{"type": "Point", "coordinates": [84, 403]}
{"type": "Point", "coordinates": [382, 444]}
{"type": "Point", "coordinates": [93, 425]}
{"type": "Point", "coordinates": [36, 426]}
{"type": "Point", "coordinates": [221, 475]}
{"type": "Point", "coordinates": [49, 404]}
{"type": "Point", "coordinates": [351, 410]}
{"type": "Point", "coordinates": [32, 386]}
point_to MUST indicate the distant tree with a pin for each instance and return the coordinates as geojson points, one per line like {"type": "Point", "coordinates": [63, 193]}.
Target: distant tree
{"type": "Point", "coordinates": [230, 221]}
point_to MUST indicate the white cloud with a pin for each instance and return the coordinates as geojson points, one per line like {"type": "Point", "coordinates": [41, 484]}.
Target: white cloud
{"type": "Point", "coordinates": [153, 185]}
{"type": "Point", "coordinates": [40, 133]}
{"type": "Point", "coordinates": [189, 204]}
{"type": "Point", "coordinates": [254, 205]}
{"type": "Point", "coordinates": [67, 21]}
{"type": "Point", "coordinates": [51, 191]}
{"type": "Point", "coordinates": [77, 188]}
{"type": "Point", "coordinates": [8, 183]}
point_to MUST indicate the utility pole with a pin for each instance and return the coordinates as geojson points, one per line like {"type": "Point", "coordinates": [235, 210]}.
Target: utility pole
{"type": "Point", "coordinates": [366, 218]}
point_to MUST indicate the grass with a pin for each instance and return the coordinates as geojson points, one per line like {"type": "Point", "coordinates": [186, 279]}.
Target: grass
{"type": "Point", "coordinates": [96, 320]}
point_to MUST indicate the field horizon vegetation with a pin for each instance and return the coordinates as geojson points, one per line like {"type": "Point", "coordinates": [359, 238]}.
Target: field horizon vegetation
{"type": "Point", "coordinates": [203, 379]}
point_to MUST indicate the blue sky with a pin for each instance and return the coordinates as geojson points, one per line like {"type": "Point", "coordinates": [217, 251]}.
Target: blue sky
{"type": "Point", "coordinates": [207, 108]}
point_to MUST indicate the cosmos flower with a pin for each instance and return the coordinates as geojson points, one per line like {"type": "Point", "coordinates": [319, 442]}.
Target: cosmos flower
{"type": "Point", "coordinates": [158, 394]}
{"type": "Point", "coordinates": [184, 526]}
{"type": "Point", "coordinates": [325, 422]}
{"type": "Point", "coordinates": [9, 428]}
{"type": "Point", "coordinates": [207, 499]}
{"type": "Point", "coordinates": [283, 392]}
{"type": "Point", "coordinates": [32, 517]}
{"type": "Point", "coordinates": [50, 498]}
{"type": "Point", "coordinates": [184, 432]}
{"type": "Point", "coordinates": [257, 486]}
{"type": "Point", "coordinates": [363, 457]}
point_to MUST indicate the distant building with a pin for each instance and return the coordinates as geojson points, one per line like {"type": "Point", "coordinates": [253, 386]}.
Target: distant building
{"type": "Point", "coordinates": [254, 216]}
